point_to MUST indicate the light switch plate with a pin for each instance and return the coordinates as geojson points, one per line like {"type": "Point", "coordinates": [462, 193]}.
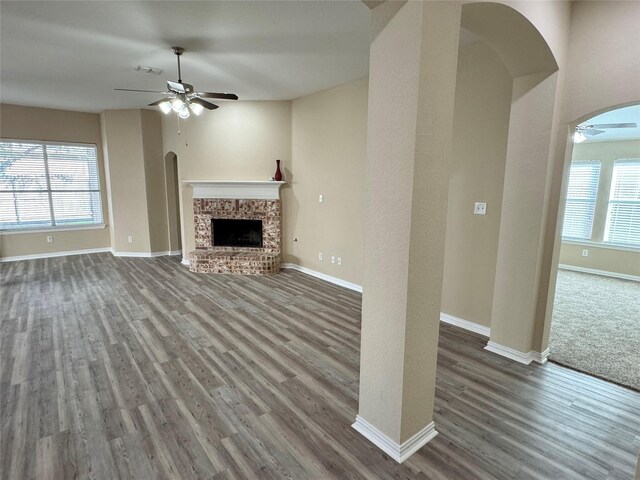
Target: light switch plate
{"type": "Point", "coordinates": [480, 208]}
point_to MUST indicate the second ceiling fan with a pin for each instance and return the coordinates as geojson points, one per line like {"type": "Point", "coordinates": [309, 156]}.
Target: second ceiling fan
{"type": "Point", "coordinates": [592, 129]}
{"type": "Point", "coordinates": [181, 97]}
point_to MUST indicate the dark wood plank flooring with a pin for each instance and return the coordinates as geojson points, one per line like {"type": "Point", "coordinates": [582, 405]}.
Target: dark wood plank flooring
{"type": "Point", "coordinates": [136, 368]}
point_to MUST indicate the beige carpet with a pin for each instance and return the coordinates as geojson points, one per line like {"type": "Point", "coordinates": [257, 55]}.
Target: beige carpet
{"type": "Point", "coordinates": [596, 327]}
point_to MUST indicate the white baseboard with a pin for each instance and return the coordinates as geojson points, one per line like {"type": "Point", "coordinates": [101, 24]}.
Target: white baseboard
{"type": "Point", "coordinates": [399, 452]}
{"type": "Point", "coordinates": [603, 273]}
{"type": "Point", "coordinates": [55, 254]}
{"type": "Point", "coordinates": [87, 251]}
{"type": "Point", "coordinates": [324, 276]}
{"type": "Point", "coordinates": [525, 358]}
{"type": "Point", "coordinates": [540, 357]}
{"type": "Point", "coordinates": [144, 254]}
{"type": "Point", "coordinates": [466, 324]}
{"type": "Point", "coordinates": [185, 261]}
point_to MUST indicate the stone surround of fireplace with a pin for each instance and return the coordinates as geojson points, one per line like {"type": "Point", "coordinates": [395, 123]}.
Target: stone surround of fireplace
{"type": "Point", "coordinates": [236, 200]}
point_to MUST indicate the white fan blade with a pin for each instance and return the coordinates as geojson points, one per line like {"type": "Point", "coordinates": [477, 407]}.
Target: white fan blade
{"type": "Point", "coordinates": [613, 125]}
{"type": "Point", "coordinates": [591, 132]}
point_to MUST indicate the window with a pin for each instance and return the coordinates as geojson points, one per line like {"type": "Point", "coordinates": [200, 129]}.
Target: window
{"type": "Point", "coordinates": [623, 214]}
{"type": "Point", "coordinates": [45, 185]}
{"type": "Point", "coordinates": [581, 200]}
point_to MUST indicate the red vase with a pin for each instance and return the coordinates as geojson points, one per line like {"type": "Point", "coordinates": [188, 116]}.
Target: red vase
{"type": "Point", "coordinates": [278, 176]}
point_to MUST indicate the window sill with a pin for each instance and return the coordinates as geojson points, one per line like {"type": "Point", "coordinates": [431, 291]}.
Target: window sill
{"type": "Point", "coordinates": [608, 246]}
{"type": "Point", "coordinates": [52, 229]}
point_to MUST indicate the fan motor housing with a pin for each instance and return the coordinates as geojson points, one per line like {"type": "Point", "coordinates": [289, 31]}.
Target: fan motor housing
{"type": "Point", "coordinates": [178, 87]}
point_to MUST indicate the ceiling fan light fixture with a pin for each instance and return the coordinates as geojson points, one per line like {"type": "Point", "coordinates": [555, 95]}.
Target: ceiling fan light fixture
{"type": "Point", "coordinates": [578, 137]}
{"type": "Point", "coordinates": [181, 98]}
{"type": "Point", "coordinates": [177, 104]}
{"type": "Point", "coordinates": [184, 113]}
{"type": "Point", "coordinates": [196, 108]}
{"type": "Point", "coordinates": [165, 106]}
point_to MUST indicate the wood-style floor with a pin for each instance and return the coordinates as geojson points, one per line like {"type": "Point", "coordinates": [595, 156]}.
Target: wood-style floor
{"type": "Point", "coordinates": [136, 368]}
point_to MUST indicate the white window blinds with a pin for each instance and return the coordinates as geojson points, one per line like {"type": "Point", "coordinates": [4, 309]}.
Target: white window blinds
{"type": "Point", "coordinates": [581, 200]}
{"type": "Point", "coordinates": [48, 185]}
{"type": "Point", "coordinates": [623, 215]}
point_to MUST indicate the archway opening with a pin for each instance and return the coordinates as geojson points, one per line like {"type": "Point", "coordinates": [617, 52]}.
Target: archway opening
{"type": "Point", "coordinates": [595, 320]}
{"type": "Point", "coordinates": [500, 142]}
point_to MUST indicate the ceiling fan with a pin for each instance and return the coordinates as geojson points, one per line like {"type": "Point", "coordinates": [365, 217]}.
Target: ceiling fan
{"type": "Point", "coordinates": [181, 97]}
{"type": "Point", "coordinates": [591, 130]}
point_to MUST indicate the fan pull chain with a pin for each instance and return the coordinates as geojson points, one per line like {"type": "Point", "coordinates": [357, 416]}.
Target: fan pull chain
{"type": "Point", "coordinates": [186, 131]}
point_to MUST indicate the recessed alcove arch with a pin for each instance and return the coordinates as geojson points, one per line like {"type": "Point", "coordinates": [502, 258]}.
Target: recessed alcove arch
{"type": "Point", "coordinates": [517, 42]}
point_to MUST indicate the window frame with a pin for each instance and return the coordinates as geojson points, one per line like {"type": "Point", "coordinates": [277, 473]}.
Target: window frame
{"type": "Point", "coordinates": [53, 227]}
{"type": "Point", "coordinates": [610, 200]}
{"type": "Point", "coordinates": [569, 201]}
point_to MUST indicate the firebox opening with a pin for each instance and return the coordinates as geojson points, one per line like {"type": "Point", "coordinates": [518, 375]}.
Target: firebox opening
{"type": "Point", "coordinates": [236, 233]}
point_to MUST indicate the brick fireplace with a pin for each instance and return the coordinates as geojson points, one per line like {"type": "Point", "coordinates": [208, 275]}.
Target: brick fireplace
{"type": "Point", "coordinates": [235, 208]}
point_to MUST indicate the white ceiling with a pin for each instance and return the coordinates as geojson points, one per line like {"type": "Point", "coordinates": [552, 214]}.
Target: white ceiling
{"type": "Point", "coordinates": [71, 55]}
{"type": "Point", "coordinates": [621, 115]}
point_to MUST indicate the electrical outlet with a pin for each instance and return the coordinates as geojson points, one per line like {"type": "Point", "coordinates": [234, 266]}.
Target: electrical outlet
{"type": "Point", "coordinates": [480, 208]}
{"type": "Point", "coordinates": [320, 256]}
{"type": "Point", "coordinates": [585, 252]}
{"type": "Point", "coordinates": [320, 198]}
{"type": "Point", "coordinates": [49, 238]}
{"type": "Point", "coordinates": [130, 238]}
{"type": "Point", "coordinates": [333, 259]}
{"type": "Point", "coordinates": [339, 260]}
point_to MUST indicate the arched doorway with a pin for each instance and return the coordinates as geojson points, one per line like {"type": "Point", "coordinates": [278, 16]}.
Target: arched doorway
{"type": "Point", "coordinates": [595, 320]}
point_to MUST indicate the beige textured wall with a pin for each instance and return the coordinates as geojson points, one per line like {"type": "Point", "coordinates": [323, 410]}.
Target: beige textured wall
{"type": "Point", "coordinates": [29, 123]}
{"type": "Point", "coordinates": [238, 141]}
{"type": "Point", "coordinates": [483, 102]}
{"type": "Point", "coordinates": [608, 27]}
{"type": "Point", "coordinates": [63, 241]}
{"type": "Point", "coordinates": [155, 181]}
{"type": "Point", "coordinates": [602, 257]}
{"type": "Point", "coordinates": [329, 150]}
{"type": "Point", "coordinates": [626, 262]}
{"type": "Point", "coordinates": [124, 160]}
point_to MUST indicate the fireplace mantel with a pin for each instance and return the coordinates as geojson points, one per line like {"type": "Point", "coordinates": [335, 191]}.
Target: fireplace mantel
{"type": "Point", "coordinates": [239, 189]}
